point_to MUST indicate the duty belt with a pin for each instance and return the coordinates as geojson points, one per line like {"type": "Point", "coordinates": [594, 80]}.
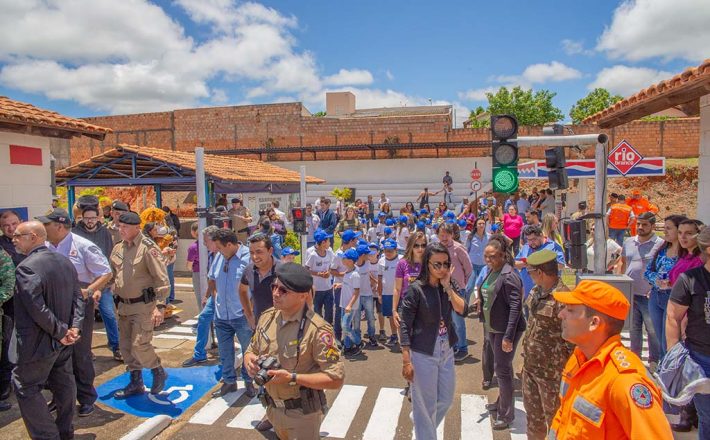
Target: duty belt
{"type": "Point", "coordinates": [286, 404]}
{"type": "Point", "coordinates": [130, 300]}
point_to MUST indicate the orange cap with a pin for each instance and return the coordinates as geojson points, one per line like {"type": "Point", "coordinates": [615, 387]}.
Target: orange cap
{"type": "Point", "coordinates": [636, 192]}
{"type": "Point", "coordinates": [599, 296]}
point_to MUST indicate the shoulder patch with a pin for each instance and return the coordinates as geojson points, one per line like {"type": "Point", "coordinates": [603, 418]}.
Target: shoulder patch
{"type": "Point", "coordinates": [326, 338]}
{"type": "Point", "coordinates": [154, 252]}
{"type": "Point", "coordinates": [641, 395]}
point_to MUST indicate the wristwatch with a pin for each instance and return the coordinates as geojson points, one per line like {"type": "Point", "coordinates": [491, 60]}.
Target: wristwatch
{"type": "Point", "coordinates": [293, 380]}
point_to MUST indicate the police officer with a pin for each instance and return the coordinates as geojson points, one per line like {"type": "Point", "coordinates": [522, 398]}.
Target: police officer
{"type": "Point", "coordinates": [117, 208]}
{"type": "Point", "coordinates": [544, 351]}
{"type": "Point", "coordinates": [304, 345]}
{"type": "Point", "coordinates": [605, 392]}
{"type": "Point", "coordinates": [49, 310]}
{"type": "Point", "coordinates": [141, 287]}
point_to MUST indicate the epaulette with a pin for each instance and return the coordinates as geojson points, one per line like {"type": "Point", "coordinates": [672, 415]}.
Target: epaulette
{"type": "Point", "coordinates": [148, 242]}
{"type": "Point", "coordinates": [624, 359]}
{"type": "Point", "coordinates": [317, 320]}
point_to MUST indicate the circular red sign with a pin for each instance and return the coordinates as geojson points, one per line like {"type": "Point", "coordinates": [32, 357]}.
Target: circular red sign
{"type": "Point", "coordinates": [475, 174]}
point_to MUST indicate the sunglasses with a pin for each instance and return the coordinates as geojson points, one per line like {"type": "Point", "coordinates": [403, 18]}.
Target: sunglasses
{"type": "Point", "coordinates": [280, 289]}
{"type": "Point", "coordinates": [439, 265]}
{"type": "Point", "coordinates": [419, 246]}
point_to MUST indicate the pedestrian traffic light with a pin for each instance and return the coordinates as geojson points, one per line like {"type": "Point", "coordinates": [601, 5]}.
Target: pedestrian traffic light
{"type": "Point", "coordinates": [556, 173]}
{"type": "Point", "coordinates": [575, 237]}
{"type": "Point", "coordinates": [504, 129]}
{"type": "Point", "coordinates": [299, 220]}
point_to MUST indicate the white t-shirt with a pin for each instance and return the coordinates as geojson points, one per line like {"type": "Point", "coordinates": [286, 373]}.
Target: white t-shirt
{"type": "Point", "coordinates": [351, 281]}
{"type": "Point", "coordinates": [380, 229]}
{"type": "Point", "coordinates": [365, 284]}
{"type": "Point", "coordinates": [318, 263]}
{"type": "Point", "coordinates": [402, 238]}
{"type": "Point", "coordinates": [338, 265]}
{"type": "Point", "coordinates": [612, 248]}
{"type": "Point", "coordinates": [372, 235]}
{"type": "Point", "coordinates": [464, 236]}
{"type": "Point", "coordinates": [387, 269]}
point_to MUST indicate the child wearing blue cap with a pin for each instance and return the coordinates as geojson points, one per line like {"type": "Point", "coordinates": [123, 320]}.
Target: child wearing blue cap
{"type": "Point", "coordinates": [386, 270]}
{"type": "Point", "coordinates": [372, 231]}
{"type": "Point", "coordinates": [350, 304]}
{"type": "Point", "coordinates": [402, 234]}
{"type": "Point", "coordinates": [319, 260]}
{"type": "Point", "coordinates": [463, 233]}
{"type": "Point", "coordinates": [349, 241]}
{"type": "Point", "coordinates": [288, 254]}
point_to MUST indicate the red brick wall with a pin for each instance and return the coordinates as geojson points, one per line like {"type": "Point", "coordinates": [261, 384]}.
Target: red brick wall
{"type": "Point", "coordinates": [281, 125]}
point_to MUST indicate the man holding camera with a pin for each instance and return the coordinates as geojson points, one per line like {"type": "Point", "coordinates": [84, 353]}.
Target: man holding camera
{"type": "Point", "coordinates": [293, 354]}
{"type": "Point", "coordinates": [141, 286]}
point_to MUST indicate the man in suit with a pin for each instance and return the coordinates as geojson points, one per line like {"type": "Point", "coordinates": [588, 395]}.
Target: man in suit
{"type": "Point", "coordinates": [49, 311]}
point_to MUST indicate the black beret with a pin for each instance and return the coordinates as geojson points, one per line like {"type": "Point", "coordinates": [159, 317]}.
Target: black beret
{"type": "Point", "coordinates": [295, 277]}
{"type": "Point", "coordinates": [129, 218]}
{"type": "Point", "coordinates": [87, 201]}
{"type": "Point", "coordinates": [119, 206]}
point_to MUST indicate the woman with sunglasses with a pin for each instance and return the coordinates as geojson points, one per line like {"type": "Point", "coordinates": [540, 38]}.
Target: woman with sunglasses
{"type": "Point", "coordinates": [500, 298]}
{"type": "Point", "coordinates": [408, 270]}
{"type": "Point", "coordinates": [427, 340]}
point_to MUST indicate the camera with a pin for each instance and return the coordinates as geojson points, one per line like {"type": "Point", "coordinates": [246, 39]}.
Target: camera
{"type": "Point", "coordinates": [266, 364]}
{"type": "Point", "coordinates": [262, 212]}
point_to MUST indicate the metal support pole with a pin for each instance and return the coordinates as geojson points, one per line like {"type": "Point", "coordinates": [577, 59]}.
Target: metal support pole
{"type": "Point", "coordinates": [158, 196]}
{"type": "Point", "coordinates": [201, 188]}
{"type": "Point", "coordinates": [599, 199]}
{"type": "Point", "coordinates": [561, 141]}
{"type": "Point", "coordinates": [304, 243]}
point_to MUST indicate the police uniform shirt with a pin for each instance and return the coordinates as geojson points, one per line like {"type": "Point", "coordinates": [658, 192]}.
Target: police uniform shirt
{"type": "Point", "coordinates": [277, 335]}
{"type": "Point", "coordinates": [227, 274]}
{"type": "Point", "coordinates": [260, 288]}
{"type": "Point", "coordinates": [137, 265]}
{"type": "Point", "coordinates": [88, 260]}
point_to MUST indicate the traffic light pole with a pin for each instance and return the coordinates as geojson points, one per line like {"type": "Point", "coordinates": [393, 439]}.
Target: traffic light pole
{"type": "Point", "coordinates": [304, 243]}
{"type": "Point", "coordinates": [599, 141]}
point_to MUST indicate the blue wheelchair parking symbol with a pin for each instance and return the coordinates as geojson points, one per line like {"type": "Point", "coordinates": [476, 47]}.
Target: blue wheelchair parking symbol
{"type": "Point", "coordinates": [184, 387]}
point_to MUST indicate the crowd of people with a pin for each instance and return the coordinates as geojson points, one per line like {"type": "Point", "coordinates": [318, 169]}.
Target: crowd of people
{"type": "Point", "coordinates": [412, 277]}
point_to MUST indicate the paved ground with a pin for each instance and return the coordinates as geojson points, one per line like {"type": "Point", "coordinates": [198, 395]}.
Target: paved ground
{"type": "Point", "coordinates": [370, 406]}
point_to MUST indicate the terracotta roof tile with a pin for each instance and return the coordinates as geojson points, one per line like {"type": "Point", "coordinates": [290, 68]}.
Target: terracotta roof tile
{"type": "Point", "coordinates": [690, 77]}
{"type": "Point", "coordinates": [17, 112]}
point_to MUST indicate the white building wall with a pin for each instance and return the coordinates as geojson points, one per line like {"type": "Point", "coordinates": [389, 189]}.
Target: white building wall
{"type": "Point", "coordinates": [26, 186]}
{"type": "Point", "coordinates": [704, 161]}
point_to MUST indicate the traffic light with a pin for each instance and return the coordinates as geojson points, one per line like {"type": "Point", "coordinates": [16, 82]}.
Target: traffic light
{"type": "Point", "coordinates": [504, 129]}
{"type": "Point", "coordinates": [556, 173]}
{"type": "Point", "coordinates": [299, 220]}
{"type": "Point", "coordinates": [575, 237]}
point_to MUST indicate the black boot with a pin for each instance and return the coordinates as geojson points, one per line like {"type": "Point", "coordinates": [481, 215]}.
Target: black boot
{"type": "Point", "coordinates": [685, 424]}
{"type": "Point", "coordinates": [134, 387]}
{"type": "Point", "coordinates": [159, 378]}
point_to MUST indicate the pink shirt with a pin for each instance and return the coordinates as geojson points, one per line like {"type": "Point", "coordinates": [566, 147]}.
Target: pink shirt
{"type": "Point", "coordinates": [684, 264]}
{"type": "Point", "coordinates": [408, 272]}
{"type": "Point", "coordinates": [512, 225]}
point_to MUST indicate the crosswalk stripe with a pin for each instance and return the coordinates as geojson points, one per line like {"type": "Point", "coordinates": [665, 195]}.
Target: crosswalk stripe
{"type": "Point", "coordinates": [439, 430]}
{"type": "Point", "coordinates": [385, 415]}
{"type": "Point", "coordinates": [181, 329]}
{"type": "Point", "coordinates": [475, 420]}
{"type": "Point", "coordinates": [214, 409]}
{"type": "Point", "coordinates": [249, 416]}
{"type": "Point", "coordinates": [342, 412]}
{"type": "Point", "coordinates": [169, 336]}
{"type": "Point", "coordinates": [189, 322]}
{"type": "Point", "coordinates": [519, 427]}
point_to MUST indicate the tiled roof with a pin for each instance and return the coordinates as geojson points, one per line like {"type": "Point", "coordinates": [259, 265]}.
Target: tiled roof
{"type": "Point", "coordinates": [223, 168]}
{"type": "Point", "coordinates": [23, 114]}
{"type": "Point", "coordinates": [681, 89]}
{"type": "Point", "coordinates": [401, 111]}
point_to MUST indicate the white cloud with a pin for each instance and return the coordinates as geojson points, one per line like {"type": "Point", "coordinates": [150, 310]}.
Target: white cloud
{"type": "Point", "coordinates": [389, 75]}
{"type": "Point", "coordinates": [625, 80]}
{"type": "Point", "coordinates": [573, 47]}
{"type": "Point", "coordinates": [353, 77]}
{"type": "Point", "coordinates": [219, 96]}
{"type": "Point", "coordinates": [477, 94]}
{"type": "Point", "coordinates": [542, 73]}
{"type": "Point", "coordinates": [643, 29]}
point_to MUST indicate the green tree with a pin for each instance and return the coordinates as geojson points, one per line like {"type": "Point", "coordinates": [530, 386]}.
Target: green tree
{"type": "Point", "coordinates": [319, 114]}
{"type": "Point", "coordinates": [528, 107]}
{"type": "Point", "coordinates": [596, 101]}
{"type": "Point", "coordinates": [478, 123]}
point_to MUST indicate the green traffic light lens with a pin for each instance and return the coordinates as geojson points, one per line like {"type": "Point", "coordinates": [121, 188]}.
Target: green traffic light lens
{"type": "Point", "coordinates": [505, 180]}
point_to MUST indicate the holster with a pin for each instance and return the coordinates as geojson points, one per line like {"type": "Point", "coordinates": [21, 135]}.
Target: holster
{"type": "Point", "coordinates": [313, 401]}
{"type": "Point", "coordinates": [148, 295]}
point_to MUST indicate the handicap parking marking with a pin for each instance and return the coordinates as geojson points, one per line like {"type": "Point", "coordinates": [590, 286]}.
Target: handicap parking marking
{"type": "Point", "coordinates": [184, 387]}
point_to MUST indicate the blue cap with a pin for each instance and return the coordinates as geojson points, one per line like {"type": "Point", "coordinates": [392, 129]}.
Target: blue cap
{"type": "Point", "coordinates": [494, 228]}
{"type": "Point", "coordinates": [388, 231]}
{"type": "Point", "coordinates": [289, 251]}
{"type": "Point", "coordinates": [351, 254]}
{"type": "Point", "coordinates": [364, 249]}
{"type": "Point", "coordinates": [428, 221]}
{"type": "Point", "coordinates": [450, 221]}
{"type": "Point", "coordinates": [382, 214]}
{"type": "Point", "coordinates": [389, 222]}
{"type": "Point", "coordinates": [350, 235]}
{"type": "Point", "coordinates": [420, 225]}
{"type": "Point", "coordinates": [449, 214]}
{"type": "Point", "coordinates": [435, 226]}
{"type": "Point", "coordinates": [403, 219]}
{"type": "Point", "coordinates": [320, 235]}
{"type": "Point", "coordinates": [462, 223]}
{"type": "Point", "coordinates": [375, 221]}
{"type": "Point", "coordinates": [389, 244]}
{"type": "Point", "coordinates": [423, 212]}
{"type": "Point", "coordinates": [361, 241]}
{"type": "Point", "coordinates": [373, 246]}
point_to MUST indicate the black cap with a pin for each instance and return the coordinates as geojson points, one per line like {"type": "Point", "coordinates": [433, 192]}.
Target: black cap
{"type": "Point", "coordinates": [236, 200]}
{"type": "Point", "coordinates": [129, 218]}
{"type": "Point", "coordinates": [87, 201]}
{"type": "Point", "coordinates": [614, 195]}
{"type": "Point", "coordinates": [119, 206]}
{"type": "Point", "coordinates": [295, 277]}
{"type": "Point", "coordinates": [57, 215]}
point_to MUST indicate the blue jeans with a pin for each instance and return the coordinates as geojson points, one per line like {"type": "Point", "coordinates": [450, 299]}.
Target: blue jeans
{"type": "Point", "coordinates": [702, 401]}
{"type": "Point", "coordinates": [433, 388]}
{"type": "Point", "coordinates": [171, 277]}
{"type": "Point", "coordinates": [367, 303]}
{"type": "Point", "coordinates": [337, 324]}
{"type": "Point", "coordinates": [460, 324]}
{"type": "Point", "coordinates": [657, 304]}
{"type": "Point", "coordinates": [351, 321]}
{"type": "Point", "coordinates": [617, 235]}
{"type": "Point", "coordinates": [204, 319]}
{"type": "Point", "coordinates": [108, 316]}
{"type": "Point", "coordinates": [323, 304]}
{"type": "Point", "coordinates": [642, 318]}
{"type": "Point", "coordinates": [226, 330]}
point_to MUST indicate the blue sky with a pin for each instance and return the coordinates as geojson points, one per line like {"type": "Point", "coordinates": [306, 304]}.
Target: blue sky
{"type": "Point", "coordinates": [95, 57]}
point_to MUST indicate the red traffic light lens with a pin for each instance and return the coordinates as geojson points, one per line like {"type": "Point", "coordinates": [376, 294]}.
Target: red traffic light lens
{"type": "Point", "coordinates": [297, 213]}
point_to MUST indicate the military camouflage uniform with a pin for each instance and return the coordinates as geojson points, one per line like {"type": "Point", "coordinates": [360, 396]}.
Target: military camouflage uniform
{"type": "Point", "coordinates": [545, 354]}
{"type": "Point", "coordinates": [7, 281]}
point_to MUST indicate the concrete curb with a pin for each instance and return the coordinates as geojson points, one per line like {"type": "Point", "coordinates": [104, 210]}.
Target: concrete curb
{"type": "Point", "coordinates": [149, 429]}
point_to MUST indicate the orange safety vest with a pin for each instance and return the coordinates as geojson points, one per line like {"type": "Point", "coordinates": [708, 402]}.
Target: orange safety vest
{"type": "Point", "coordinates": [639, 206]}
{"type": "Point", "coordinates": [608, 397]}
{"type": "Point", "coordinates": [619, 216]}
